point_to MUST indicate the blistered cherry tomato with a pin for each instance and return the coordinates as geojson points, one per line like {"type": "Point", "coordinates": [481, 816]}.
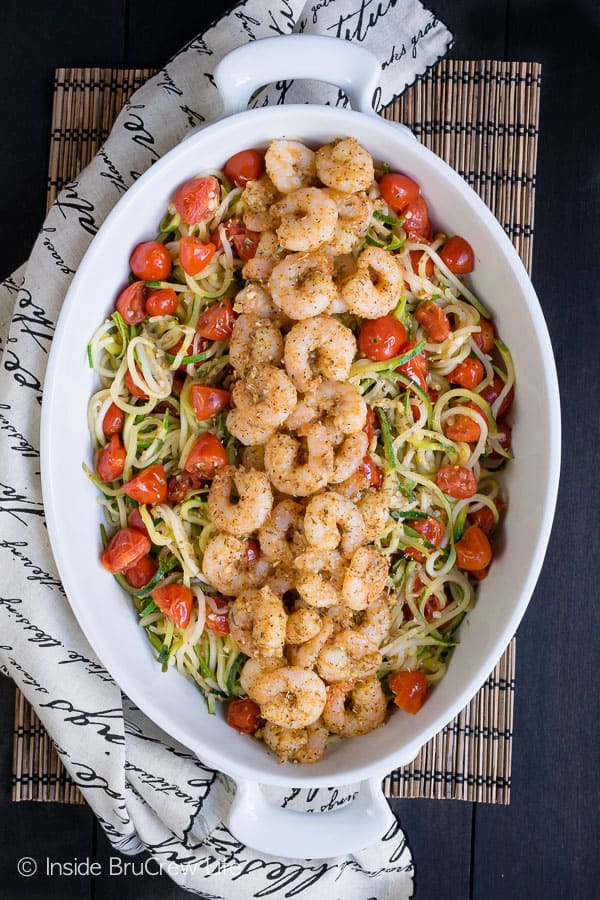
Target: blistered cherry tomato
{"type": "Point", "coordinates": [434, 320]}
{"type": "Point", "coordinates": [456, 481]}
{"type": "Point", "coordinates": [112, 423]}
{"type": "Point", "coordinates": [252, 551]}
{"type": "Point", "coordinates": [504, 439]}
{"type": "Point", "coordinates": [467, 373]}
{"type": "Point", "coordinates": [480, 574]}
{"type": "Point", "coordinates": [162, 303]}
{"type": "Point", "coordinates": [458, 255]}
{"type": "Point", "coordinates": [462, 428]}
{"type": "Point", "coordinates": [492, 392]}
{"type": "Point", "coordinates": [150, 261]}
{"type": "Point", "coordinates": [372, 472]}
{"type": "Point", "coordinates": [431, 530]}
{"type": "Point", "coordinates": [132, 386]}
{"type": "Point", "coordinates": [110, 460]}
{"type": "Point", "coordinates": [180, 485]}
{"type": "Point", "coordinates": [142, 572]}
{"type": "Point", "coordinates": [370, 424]}
{"type": "Point", "coordinates": [175, 602]}
{"type": "Point", "coordinates": [231, 227]}
{"type": "Point", "coordinates": [194, 254]}
{"type": "Point", "coordinates": [484, 517]}
{"type": "Point", "coordinates": [218, 621]}
{"type": "Point", "coordinates": [131, 303]}
{"type": "Point", "coordinates": [410, 690]}
{"type": "Point", "coordinates": [216, 322]}
{"type": "Point", "coordinates": [244, 715]}
{"type": "Point", "coordinates": [382, 338]}
{"type": "Point", "coordinates": [197, 199]}
{"type": "Point", "coordinates": [124, 549]}
{"type": "Point", "coordinates": [416, 368]}
{"type": "Point", "coordinates": [398, 190]}
{"type": "Point", "coordinates": [415, 259]}
{"type": "Point", "coordinates": [149, 486]}
{"type": "Point", "coordinates": [245, 166]}
{"type": "Point", "coordinates": [485, 337]}
{"type": "Point", "coordinates": [246, 244]}
{"type": "Point", "coordinates": [416, 219]}
{"type": "Point", "coordinates": [208, 401]}
{"type": "Point", "coordinates": [134, 520]}
{"type": "Point", "coordinates": [473, 551]}
{"type": "Point", "coordinates": [206, 456]}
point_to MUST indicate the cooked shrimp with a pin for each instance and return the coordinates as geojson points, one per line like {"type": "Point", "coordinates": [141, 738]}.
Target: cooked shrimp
{"type": "Point", "coordinates": [345, 166]}
{"type": "Point", "coordinates": [253, 457]}
{"type": "Point", "coordinates": [268, 251]}
{"type": "Point", "coordinates": [257, 622]}
{"type": "Point", "coordinates": [252, 507]}
{"type": "Point", "coordinates": [287, 473]}
{"type": "Point", "coordinates": [365, 712]}
{"type": "Point", "coordinates": [337, 404]}
{"type": "Point", "coordinates": [365, 578]}
{"type": "Point", "coordinates": [254, 300]}
{"type": "Point", "coordinates": [307, 218]}
{"type": "Point", "coordinates": [291, 696]}
{"type": "Point", "coordinates": [348, 656]}
{"type": "Point", "coordinates": [376, 286]}
{"type": "Point", "coordinates": [348, 456]}
{"type": "Point", "coordinates": [258, 221]}
{"type": "Point", "coordinates": [260, 195]}
{"type": "Point", "coordinates": [253, 666]}
{"type": "Point", "coordinates": [226, 566]}
{"type": "Point", "coordinates": [320, 577]}
{"type": "Point", "coordinates": [266, 395]}
{"type": "Point", "coordinates": [376, 621]}
{"type": "Point", "coordinates": [316, 348]}
{"type": "Point", "coordinates": [255, 341]}
{"type": "Point", "coordinates": [306, 654]}
{"type": "Point", "coordinates": [302, 625]}
{"type": "Point", "coordinates": [290, 165]}
{"type": "Point", "coordinates": [354, 216]}
{"type": "Point", "coordinates": [302, 285]}
{"type": "Point", "coordinates": [245, 429]}
{"type": "Point", "coordinates": [354, 485]}
{"type": "Point", "coordinates": [331, 521]}
{"type": "Point", "coordinates": [303, 745]}
{"type": "Point", "coordinates": [282, 534]}
{"type": "Point", "coordinates": [374, 507]}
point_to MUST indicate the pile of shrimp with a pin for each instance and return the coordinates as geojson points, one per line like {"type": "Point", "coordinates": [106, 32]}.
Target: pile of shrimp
{"type": "Point", "coordinates": [313, 607]}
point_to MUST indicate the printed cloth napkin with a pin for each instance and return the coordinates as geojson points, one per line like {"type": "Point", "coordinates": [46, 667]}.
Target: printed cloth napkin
{"type": "Point", "coordinates": [148, 792]}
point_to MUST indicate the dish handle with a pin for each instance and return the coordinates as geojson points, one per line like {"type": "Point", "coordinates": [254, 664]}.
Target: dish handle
{"type": "Point", "coordinates": [285, 833]}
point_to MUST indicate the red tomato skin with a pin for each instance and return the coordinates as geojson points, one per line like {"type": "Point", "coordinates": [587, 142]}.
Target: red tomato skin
{"type": "Point", "coordinates": [216, 322]}
{"type": "Point", "coordinates": [110, 460]}
{"type": "Point", "coordinates": [410, 690]}
{"type": "Point", "coordinates": [398, 190]}
{"type": "Point", "coordinates": [372, 472]}
{"type": "Point", "coordinates": [142, 572]}
{"type": "Point", "coordinates": [462, 428]}
{"type": "Point", "coordinates": [370, 424]}
{"type": "Point", "coordinates": [492, 392]}
{"type": "Point", "coordinates": [208, 401]}
{"type": "Point", "coordinates": [132, 387]}
{"type": "Point", "coordinates": [131, 303]}
{"type": "Point", "coordinates": [134, 520]}
{"type": "Point", "coordinates": [246, 244]}
{"type": "Point", "coordinates": [456, 481]}
{"type": "Point", "coordinates": [486, 336]}
{"type": "Point", "coordinates": [124, 549]}
{"type": "Point", "coordinates": [434, 320]}
{"type": "Point", "coordinates": [473, 551]}
{"type": "Point", "coordinates": [416, 219]}
{"type": "Point", "coordinates": [149, 486]}
{"type": "Point", "coordinates": [458, 255]}
{"type": "Point", "coordinates": [197, 199]}
{"type": "Point", "coordinates": [504, 438]}
{"type": "Point", "coordinates": [244, 715]}
{"type": "Point", "coordinates": [467, 374]}
{"type": "Point", "coordinates": [180, 485]}
{"type": "Point", "coordinates": [431, 530]}
{"type": "Point", "coordinates": [194, 254]}
{"type": "Point", "coordinates": [484, 518]}
{"type": "Point", "coordinates": [415, 259]}
{"type": "Point", "coordinates": [382, 338]}
{"type": "Point", "coordinates": [175, 602]}
{"type": "Point", "coordinates": [231, 227]}
{"type": "Point", "coordinates": [150, 261]}
{"type": "Point", "coordinates": [245, 166]}
{"type": "Point", "coordinates": [162, 303]}
{"type": "Point", "coordinates": [252, 551]}
{"type": "Point", "coordinates": [206, 456]}
{"type": "Point", "coordinates": [113, 420]}
{"type": "Point", "coordinates": [416, 368]}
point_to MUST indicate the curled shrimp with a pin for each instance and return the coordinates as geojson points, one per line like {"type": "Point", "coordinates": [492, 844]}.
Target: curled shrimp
{"type": "Point", "coordinates": [253, 504]}
{"type": "Point", "coordinates": [375, 288]}
{"type": "Point", "coordinates": [331, 521]}
{"type": "Point", "coordinates": [290, 165]}
{"type": "Point", "coordinates": [336, 403]}
{"type": "Point", "coordinates": [348, 455]}
{"type": "Point", "coordinates": [376, 620]}
{"type": "Point", "coordinates": [349, 656]}
{"type": "Point", "coordinates": [281, 536]}
{"type": "Point", "coordinates": [291, 696]}
{"type": "Point", "coordinates": [257, 621]}
{"type": "Point", "coordinates": [283, 466]}
{"type": "Point", "coordinates": [303, 625]}
{"type": "Point", "coordinates": [302, 745]}
{"type": "Point", "coordinates": [266, 396]}
{"type": "Point", "coordinates": [255, 342]}
{"type": "Point", "coordinates": [260, 194]}
{"type": "Point", "coordinates": [254, 666]}
{"type": "Point", "coordinates": [302, 284]}
{"type": "Point", "coordinates": [354, 710]}
{"type": "Point", "coordinates": [316, 348]}
{"type": "Point", "coordinates": [254, 300]}
{"type": "Point", "coordinates": [320, 577]}
{"type": "Point", "coordinates": [306, 654]}
{"type": "Point", "coordinates": [374, 507]}
{"type": "Point", "coordinates": [364, 578]}
{"type": "Point", "coordinates": [307, 218]}
{"type": "Point", "coordinates": [244, 428]}
{"type": "Point", "coordinates": [268, 252]}
{"type": "Point", "coordinates": [345, 166]}
{"type": "Point", "coordinates": [253, 457]}
{"type": "Point", "coordinates": [354, 216]}
{"type": "Point", "coordinates": [227, 567]}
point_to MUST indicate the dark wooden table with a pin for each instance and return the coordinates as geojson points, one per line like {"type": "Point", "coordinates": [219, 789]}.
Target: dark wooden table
{"type": "Point", "coordinates": [544, 845]}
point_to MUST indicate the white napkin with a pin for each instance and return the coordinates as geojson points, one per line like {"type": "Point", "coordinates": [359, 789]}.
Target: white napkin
{"type": "Point", "coordinates": [147, 791]}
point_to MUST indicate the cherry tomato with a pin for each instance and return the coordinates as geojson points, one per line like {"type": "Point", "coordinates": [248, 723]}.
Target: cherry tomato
{"type": "Point", "coordinates": [456, 481]}
{"type": "Point", "coordinates": [485, 337]}
{"type": "Point", "coordinates": [218, 621]}
{"type": "Point", "coordinates": [468, 373]}
{"type": "Point", "coordinates": [131, 303]}
{"type": "Point", "coordinates": [416, 219]}
{"type": "Point", "coordinates": [416, 368]}
{"type": "Point", "coordinates": [458, 255]}
{"type": "Point", "coordinates": [484, 517]}
{"type": "Point", "coordinates": [175, 601]}
{"type": "Point", "coordinates": [180, 485]}
{"type": "Point", "coordinates": [434, 320]}
{"type": "Point", "coordinates": [231, 227]}
{"type": "Point", "coordinates": [398, 190]}
{"type": "Point", "coordinates": [150, 261]}
{"type": "Point", "coordinates": [134, 520]}
{"type": "Point", "coordinates": [245, 166]}
{"type": "Point", "coordinates": [415, 259]}
{"type": "Point", "coordinates": [124, 549]}
{"type": "Point", "coordinates": [431, 530]}
{"type": "Point", "coordinates": [246, 244]}
{"type": "Point", "coordinates": [480, 574]}
{"type": "Point", "coordinates": [206, 456]}
{"type": "Point", "coordinates": [462, 428]}
{"type": "Point", "coordinates": [110, 460]}
{"type": "Point", "coordinates": [141, 572]}
{"type": "Point", "coordinates": [162, 303]}
{"type": "Point", "coordinates": [208, 401]}
{"type": "Point", "coordinates": [197, 199]}
{"type": "Point", "coordinates": [216, 322]}
{"type": "Point", "coordinates": [504, 438]}
{"type": "Point", "coordinates": [149, 486]}
{"type": "Point", "coordinates": [178, 382]}
{"type": "Point", "coordinates": [473, 551]}
{"type": "Point", "coordinates": [410, 690]}
{"type": "Point", "coordinates": [372, 473]}
{"type": "Point", "coordinates": [382, 338]}
{"type": "Point", "coordinates": [252, 551]}
{"type": "Point", "coordinates": [194, 254]}
{"type": "Point", "coordinates": [112, 423]}
{"type": "Point", "coordinates": [492, 392]}
{"type": "Point", "coordinates": [244, 715]}
{"type": "Point", "coordinates": [132, 386]}
{"type": "Point", "coordinates": [370, 424]}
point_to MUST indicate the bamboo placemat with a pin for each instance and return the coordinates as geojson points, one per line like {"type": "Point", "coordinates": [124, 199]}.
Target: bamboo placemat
{"type": "Point", "coordinates": [482, 118]}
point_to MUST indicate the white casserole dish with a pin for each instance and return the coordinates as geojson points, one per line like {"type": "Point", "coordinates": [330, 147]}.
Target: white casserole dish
{"type": "Point", "coordinates": [104, 611]}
